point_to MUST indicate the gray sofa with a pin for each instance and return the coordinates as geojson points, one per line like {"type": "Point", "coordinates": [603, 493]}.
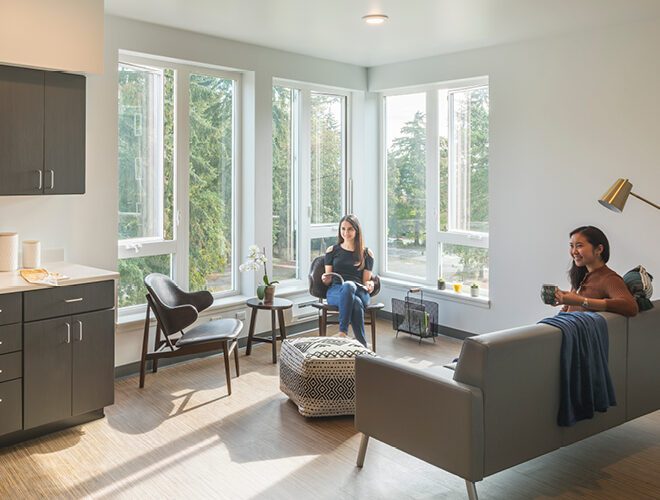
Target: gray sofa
{"type": "Point", "coordinates": [499, 407]}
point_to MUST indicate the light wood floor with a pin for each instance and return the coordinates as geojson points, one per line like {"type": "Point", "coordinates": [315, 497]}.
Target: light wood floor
{"type": "Point", "coordinates": [182, 437]}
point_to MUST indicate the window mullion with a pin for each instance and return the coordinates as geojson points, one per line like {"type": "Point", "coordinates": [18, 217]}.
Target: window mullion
{"type": "Point", "coordinates": [304, 159]}
{"type": "Point", "coordinates": [432, 195]}
{"type": "Point", "coordinates": [182, 176]}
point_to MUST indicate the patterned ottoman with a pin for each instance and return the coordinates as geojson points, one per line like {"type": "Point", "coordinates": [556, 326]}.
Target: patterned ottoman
{"type": "Point", "coordinates": [318, 374]}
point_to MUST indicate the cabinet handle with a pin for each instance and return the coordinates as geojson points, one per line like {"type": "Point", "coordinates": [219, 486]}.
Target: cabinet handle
{"type": "Point", "coordinates": [52, 179]}
{"type": "Point", "coordinates": [80, 325]}
{"type": "Point", "coordinates": [41, 179]}
{"type": "Point", "coordinates": [68, 301]}
{"type": "Point", "coordinates": [68, 333]}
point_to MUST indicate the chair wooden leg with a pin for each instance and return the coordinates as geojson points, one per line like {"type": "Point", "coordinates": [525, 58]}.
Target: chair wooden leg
{"type": "Point", "coordinates": [323, 323]}
{"type": "Point", "coordinates": [363, 450]}
{"type": "Point", "coordinates": [154, 367]}
{"type": "Point", "coordinates": [225, 354]}
{"type": "Point", "coordinates": [145, 342]}
{"type": "Point", "coordinates": [236, 357]}
{"type": "Point", "coordinates": [372, 320]}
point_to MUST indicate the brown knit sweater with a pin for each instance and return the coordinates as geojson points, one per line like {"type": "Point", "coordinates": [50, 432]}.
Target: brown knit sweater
{"type": "Point", "coordinates": [603, 283]}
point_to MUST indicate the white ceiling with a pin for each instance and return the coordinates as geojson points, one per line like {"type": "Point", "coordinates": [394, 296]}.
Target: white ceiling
{"type": "Point", "coordinates": [333, 29]}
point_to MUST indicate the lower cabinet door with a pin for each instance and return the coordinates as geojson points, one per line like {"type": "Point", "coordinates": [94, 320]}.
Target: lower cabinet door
{"type": "Point", "coordinates": [10, 406]}
{"type": "Point", "coordinates": [93, 342]}
{"type": "Point", "coordinates": [46, 371]}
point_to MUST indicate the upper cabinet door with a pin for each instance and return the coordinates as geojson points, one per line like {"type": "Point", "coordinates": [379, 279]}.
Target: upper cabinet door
{"type": "Point", "coordinates": [64, 135]}
{"type": "Point", "coordinates": [21, 130]}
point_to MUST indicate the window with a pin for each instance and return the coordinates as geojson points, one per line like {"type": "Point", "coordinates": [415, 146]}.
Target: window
{"type": "Point", "coordinates": [309, 174]}
{"type": "Point", "coordinates": [177, 157]}
{"type": "Point", "coordinates": [436, 159]}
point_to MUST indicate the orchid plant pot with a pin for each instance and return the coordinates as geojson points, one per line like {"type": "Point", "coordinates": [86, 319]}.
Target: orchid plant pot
{"type": "Point", "coordinates": [269, 294]}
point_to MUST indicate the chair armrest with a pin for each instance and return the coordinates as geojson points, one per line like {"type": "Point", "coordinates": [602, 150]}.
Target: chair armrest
{"type": "Point", "coordinates": [430, 416]}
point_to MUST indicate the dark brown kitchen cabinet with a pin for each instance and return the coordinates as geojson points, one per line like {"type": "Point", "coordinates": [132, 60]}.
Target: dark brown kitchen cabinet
{"type": "Point", "coordinates": [47, 371]}
{"type": "Point", "coordinates": [21, 130]}
{"type": "Point", "coordinates": [69, 366]}
{"type": "Point", "coordinates": [56, 358]}
{"type": "Point", "coordinates": [42, 132]}
{"type": "Point", "coordinates": [64, 134]}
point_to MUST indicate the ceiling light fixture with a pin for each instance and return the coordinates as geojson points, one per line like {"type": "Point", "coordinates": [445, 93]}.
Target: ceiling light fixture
{"type": "Point", "coordinates": [375, 18]}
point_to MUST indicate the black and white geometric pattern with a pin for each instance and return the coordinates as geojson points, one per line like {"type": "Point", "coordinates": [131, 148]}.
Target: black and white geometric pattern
{"type": "Point", "coordinates": [318, 374]}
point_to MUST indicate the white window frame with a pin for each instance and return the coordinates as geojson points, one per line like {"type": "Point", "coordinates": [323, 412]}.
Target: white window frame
{"type": "Point", "coordinates": [434, 237]}
{"type": "Point", "coordinates": [306, 230]}
{"type": "Point", "coordinates": [178, 247]}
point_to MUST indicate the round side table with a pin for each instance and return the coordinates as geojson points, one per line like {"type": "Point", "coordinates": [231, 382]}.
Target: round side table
{"type": "Point", "coordinates": [277, 305]}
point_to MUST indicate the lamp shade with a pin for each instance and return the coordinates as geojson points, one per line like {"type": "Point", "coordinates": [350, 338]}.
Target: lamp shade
{"type": "Point", "coordinates": [616, 196]}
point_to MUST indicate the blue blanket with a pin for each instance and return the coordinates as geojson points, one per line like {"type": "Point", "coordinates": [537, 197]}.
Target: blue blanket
{"type": "Point", "coordinates": [585, 383]}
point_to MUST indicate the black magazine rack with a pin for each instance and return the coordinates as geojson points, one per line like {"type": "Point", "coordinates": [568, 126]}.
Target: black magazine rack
{"type": "Point", "coordinates": [415, 316]}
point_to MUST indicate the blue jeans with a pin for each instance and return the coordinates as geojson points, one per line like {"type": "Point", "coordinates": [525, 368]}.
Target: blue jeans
{"type": "Point", "coordinates": [351, 301]}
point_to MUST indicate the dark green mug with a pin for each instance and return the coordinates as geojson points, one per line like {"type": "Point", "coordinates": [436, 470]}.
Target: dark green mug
{"type": "Point", "coordinates": [548, 293]}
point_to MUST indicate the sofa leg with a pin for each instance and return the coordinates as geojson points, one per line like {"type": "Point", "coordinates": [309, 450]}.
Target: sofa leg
{"type": "Point", "coordinates": [472, 490]}
{"type": "Point", "coordinates": [363, 450]}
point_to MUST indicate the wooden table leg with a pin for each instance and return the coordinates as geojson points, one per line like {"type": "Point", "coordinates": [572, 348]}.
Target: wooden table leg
{"type": "Point", "coordinates": [273, 335]}
{"type": "Point", "coordinates": [253, 318]}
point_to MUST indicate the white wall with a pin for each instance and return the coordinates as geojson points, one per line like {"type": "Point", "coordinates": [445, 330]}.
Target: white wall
{"type": "Point", "coordinates": [568, 116]}
{"type": "Point", "coordinates": [65, 35]}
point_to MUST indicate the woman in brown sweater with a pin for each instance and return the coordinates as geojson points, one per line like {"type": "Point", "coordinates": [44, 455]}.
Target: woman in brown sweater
{"type": "Point", "coordinates": [594, 286]}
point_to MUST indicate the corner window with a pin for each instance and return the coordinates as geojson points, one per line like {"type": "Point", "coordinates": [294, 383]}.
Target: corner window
{"type": "Point", "coordinates": [436, 159]}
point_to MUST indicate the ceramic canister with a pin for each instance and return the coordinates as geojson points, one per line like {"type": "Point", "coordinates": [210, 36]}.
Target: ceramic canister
{"type": "Point", "coordinates": [31, 254]}
{"type": "Point", "coordinates": [8, 252]}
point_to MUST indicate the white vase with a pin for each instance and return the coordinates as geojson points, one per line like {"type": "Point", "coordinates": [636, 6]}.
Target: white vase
{"type": "Point", "coordinates": [474, 292]}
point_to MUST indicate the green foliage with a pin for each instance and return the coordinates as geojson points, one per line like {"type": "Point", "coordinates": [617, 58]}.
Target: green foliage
{"type": "Point", "coordinates": [326, 158]}
{"type": "Point", "coordinates": [406, 183]}
{"type": "Point", "coordinates": [211, 150]}
{"type": "Point", "coordinates": [284, 233]}
{"type": "Point", "coordinates": [211, 171]}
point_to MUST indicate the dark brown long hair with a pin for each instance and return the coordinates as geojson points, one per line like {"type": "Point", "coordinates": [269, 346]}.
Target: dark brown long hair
{"type": "Point", "coordinates": [596, 237]}
{"type": "Point", "coordinates": [358, 252]}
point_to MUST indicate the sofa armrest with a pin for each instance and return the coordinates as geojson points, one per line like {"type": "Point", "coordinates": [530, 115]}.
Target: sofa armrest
{"type": "Point", "coordinates": [430, 416]}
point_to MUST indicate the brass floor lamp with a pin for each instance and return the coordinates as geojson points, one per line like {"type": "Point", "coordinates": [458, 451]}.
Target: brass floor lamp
{"type": "Point", "coordinates": [616, 196]}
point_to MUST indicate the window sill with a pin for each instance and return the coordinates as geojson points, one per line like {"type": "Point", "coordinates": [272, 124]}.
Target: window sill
{"type": "Point", "coordinates": [130, 320]}
{"type": "Point", "coordinates": [450, 295]}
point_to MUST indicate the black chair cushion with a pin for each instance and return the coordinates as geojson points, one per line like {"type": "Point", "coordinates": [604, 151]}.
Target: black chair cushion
{"type": "Point", "coordinates": [219, 329]}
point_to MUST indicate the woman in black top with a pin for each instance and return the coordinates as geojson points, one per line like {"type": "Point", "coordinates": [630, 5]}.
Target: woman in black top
{"type": "Point", "coordinates": [353, 263]}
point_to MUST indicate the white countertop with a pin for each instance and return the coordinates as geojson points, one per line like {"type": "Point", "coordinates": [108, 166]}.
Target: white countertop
{"type": "Point", "coordinates": [13, 282]}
